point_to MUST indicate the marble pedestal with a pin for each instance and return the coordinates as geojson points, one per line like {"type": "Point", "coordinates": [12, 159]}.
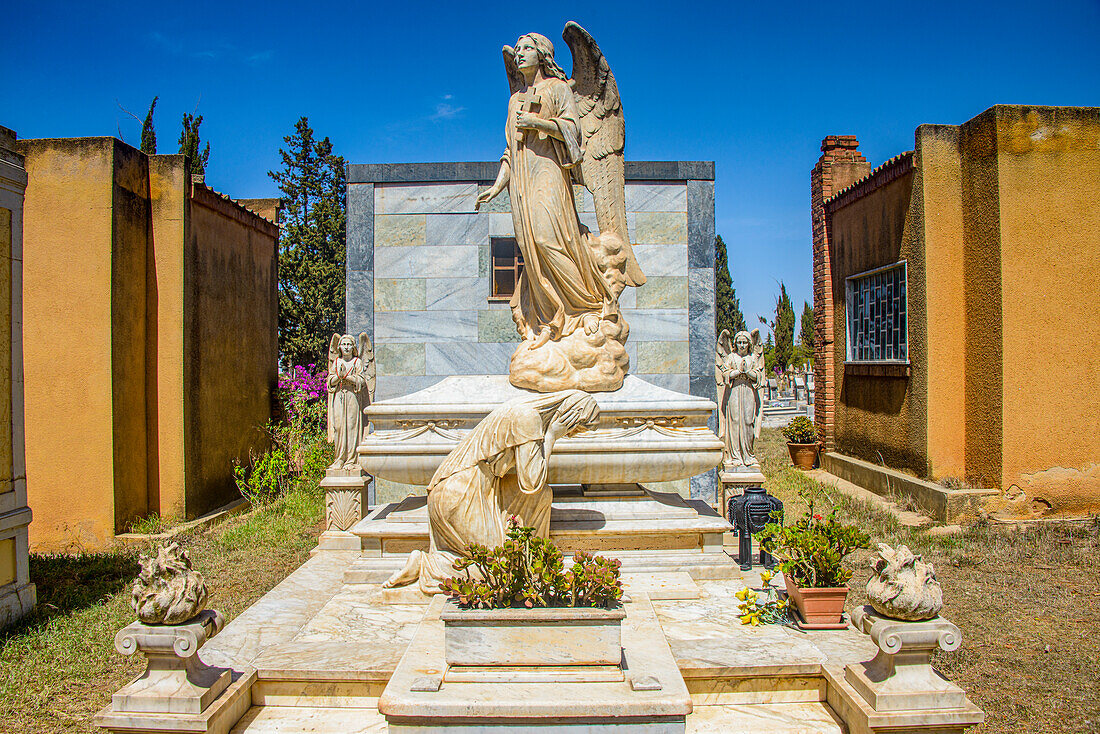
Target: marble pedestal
{"type": "Point", "coordinates": [898, 690]}
{"type": "Point", "coordinates": [648, 531]}
{"type": "Point", "coordinates": [346, 503]}
{"type": "Point", "coordinates": [734, 482]}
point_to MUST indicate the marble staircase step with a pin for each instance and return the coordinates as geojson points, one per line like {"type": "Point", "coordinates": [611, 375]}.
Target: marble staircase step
{"type": "Point", "coordinates": [771, 718]}
{"type": "Point", "coordinates": [314, 719]}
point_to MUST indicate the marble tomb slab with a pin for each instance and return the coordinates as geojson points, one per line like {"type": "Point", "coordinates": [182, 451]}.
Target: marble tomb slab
{"type": "Point", "coordinates": [646, 433]}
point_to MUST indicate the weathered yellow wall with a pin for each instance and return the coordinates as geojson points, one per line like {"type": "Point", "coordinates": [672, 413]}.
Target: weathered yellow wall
{"type": "Point", "coordinates": [1048, 172]}
{"type": "Point", "coordinates": [130, 248]}
{"type": "Point", "coordinates": [7, 483]}
{"type": "Point", "coordinates": [7, 561]}
{"type": "Point", "coordinates": [67, 235]}
{"type": "Point", "coordinates": [234, 348]}
{"type": "Point", "coordinates": [937, 218]}
{"type": "Point", "coordinates": [169, 186]}
{"type": "Point", "coordinates": [877, 417]}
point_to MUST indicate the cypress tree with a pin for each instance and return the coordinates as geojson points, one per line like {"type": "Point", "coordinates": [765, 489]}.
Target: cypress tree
{"type": "Point", "coordinates": [189, 144]}
{"type": "Point", "coordinates": [148, 132]}
{"type": "Point", "coordinates": [784, 329]}
{"type": "Point", "coordinates": [806, 331]}
{"type": "Point", "coordinates": [727, 306]}
{"type": "Point", "coordinates": [312, 246]}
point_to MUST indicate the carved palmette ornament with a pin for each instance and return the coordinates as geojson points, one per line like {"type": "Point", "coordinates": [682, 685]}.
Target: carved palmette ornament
{"type": "Point", "coordinates": [903, 585]}
{"type": "Point", "coordinates": [168, 591]}
{"type": "Point", "coordinates": [343, 508]}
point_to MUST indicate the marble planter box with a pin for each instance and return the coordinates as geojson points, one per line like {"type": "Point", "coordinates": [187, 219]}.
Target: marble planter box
{"type": "Point", "coordinates": [541, 636]}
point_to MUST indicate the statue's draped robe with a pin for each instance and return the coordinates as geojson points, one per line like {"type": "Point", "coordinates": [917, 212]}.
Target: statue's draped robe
{"type": "Point", "coordinates": [561, 281]}
{"type": "Point", "coordinates": [739, 409]}
{"type": "Point", "coordinates": [472, 494]}
{"type": "Point", "coordinates": [345, 413]}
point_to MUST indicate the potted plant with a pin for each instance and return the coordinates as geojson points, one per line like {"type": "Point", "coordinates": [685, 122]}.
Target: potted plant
{"type": "Point", "coordinates": [802, 442]}
{"type": "Point", "coordinates": [811, 551]}
{"type": "Point", "coordinates": [522, 607]}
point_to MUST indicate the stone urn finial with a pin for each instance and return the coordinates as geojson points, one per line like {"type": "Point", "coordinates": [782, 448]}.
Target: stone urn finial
{"type": "Point", "coordinates": [168, 591]}
{"type": "Point", "coordinates": [903, 585]}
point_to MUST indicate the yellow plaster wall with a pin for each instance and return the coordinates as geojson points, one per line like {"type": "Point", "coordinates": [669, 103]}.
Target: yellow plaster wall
{"type": "Point", "coordinates": [937, 217]}
{"type": "Point", "coordinates": [67, 234]}
{"type": "Point", "coordinates": [7, 561]}
{"type": "Point", "coordinates": [169, 186]}
{"type": "Point", "coordinates": [1048, 173]}
{"type": "Point", "coordinates": [7, 472]}
{"type": "Point", "coordinates": [879, 418]}
{"type": "Point", "coordinates": [233, 356]}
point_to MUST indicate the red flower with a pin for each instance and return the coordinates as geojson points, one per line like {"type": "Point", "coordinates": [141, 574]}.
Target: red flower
{"type": "Point", "coordinates": [819, 518]}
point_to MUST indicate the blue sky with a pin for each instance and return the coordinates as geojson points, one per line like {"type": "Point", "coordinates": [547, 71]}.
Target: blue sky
{"type": "Point", "coordinates": [753, 88]}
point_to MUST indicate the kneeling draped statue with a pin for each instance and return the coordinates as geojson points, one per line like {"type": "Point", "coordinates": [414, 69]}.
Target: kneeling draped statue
{"type": "Point", "coordinates": [472, 494]}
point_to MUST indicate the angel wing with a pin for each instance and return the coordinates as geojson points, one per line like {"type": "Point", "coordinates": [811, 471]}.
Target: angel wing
{"type": "Point", "coordinates": [370, 372]}
{"type": "Point", "coordinates": [333, 355]}
{"type": "Point", "coordinates": [757, 348]}
{"type": "Point", "coordinates": [725, 345]}
{"type": "Point", "coordinates": [516, 81]}
{"type": "Point", "coordinates": [604, 138]}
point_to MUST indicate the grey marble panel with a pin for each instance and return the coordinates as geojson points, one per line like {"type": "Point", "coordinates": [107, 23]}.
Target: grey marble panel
{"type": "Point", "coordinates": [660, 228]}
{"type": "Point", "coordinates": [666, 358]}
{"type": "Point", "coordinates": [399, 294]}
{"type": "Point", "coordinates": [700, 199]}
{"type": "Point", "coordinates": [588, 219]}
{"type": "Point", "coordinates": [465, 358]}
{"type": "Point", "coordinates": [495, 324]}
{"type": "Point", "coordinates": [675, 382]}
{"type": "Point", "coordinates": [502, 202]}
{"type": "Point", "coordinates": [360, 227]}
{"type": "Point", "coordinates": [425, 198]}
{"type": "Point", "coordinates": [426, 262]}
{"type": "Point", "coordinates": [663, 291]}
{"type": "Point", "coordinates": [391, 386]}
{"type": "Point", "coordinates": [486, 171]}
{"type": "Point", "coordinates": [701, 320]}
{"type": "Point", "coordinates": [657, 325]}
{"type": "Point", "coordinates": [659, 260]}
{"type": "Point", "coordinates": [500, 225]}
{"type": "Point", "coordinates": [426, 326]}
{"type": "Point", "coordinates": [400, 359]}
{"type": "Point", "coordinates": [456, 229]}
{"type": "Point", "coordinates": [456, 294]}
{"type": "Point", "coordinates": [399, 230]}
{"type": "Point", "coordinates": [583, 199]}
{"type": "Point", "coordinates": [705, 486]}
{"type": "Point", "coordinates": [654, 196]}
{"type": "Point", "coordinates": [359, 302]}
{"type": "Point", "coordinates": [629, 297]}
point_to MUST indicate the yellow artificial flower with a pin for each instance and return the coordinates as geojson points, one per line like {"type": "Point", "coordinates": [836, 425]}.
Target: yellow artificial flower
{"type": "Point", "coordinates": [766, 576]}
{"type": "Point", "coordinates": [745, 619]}
{"type": "Point", "coordinates": [743, 594]}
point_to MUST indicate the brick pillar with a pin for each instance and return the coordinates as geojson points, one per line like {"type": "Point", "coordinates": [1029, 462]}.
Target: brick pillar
{"type": "Point", "coordinates": [840, 165]}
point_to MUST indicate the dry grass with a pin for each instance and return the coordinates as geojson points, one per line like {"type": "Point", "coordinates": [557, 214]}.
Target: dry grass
{"type": "Point", "coordinates": [1027, 600]}
{"type": "Point", "coordinates": [59, 667]}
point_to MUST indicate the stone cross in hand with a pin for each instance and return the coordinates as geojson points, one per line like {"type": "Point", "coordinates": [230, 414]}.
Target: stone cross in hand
{"type": "Point", "coordinates": [531, 102]}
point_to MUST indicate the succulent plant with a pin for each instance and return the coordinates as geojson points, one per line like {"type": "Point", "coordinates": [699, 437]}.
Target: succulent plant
{"type": "Point", "coordinates": [529, 571]}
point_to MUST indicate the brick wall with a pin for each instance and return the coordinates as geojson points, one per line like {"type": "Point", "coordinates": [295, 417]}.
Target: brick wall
{"type": "Point", "coordinates": [840, 165]}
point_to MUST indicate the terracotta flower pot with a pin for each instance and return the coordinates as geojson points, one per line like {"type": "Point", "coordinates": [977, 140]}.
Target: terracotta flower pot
{"type": "Point", "coordinates": [804, 455]}
{"type": "Point", "coordinates": [824, 607]}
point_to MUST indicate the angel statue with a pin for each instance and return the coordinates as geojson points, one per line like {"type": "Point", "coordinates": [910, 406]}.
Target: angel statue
{"type": "Point", "coordinates": [560, 131]}
{"type": "Point", "coordinates": [739, 372]}
{"type": "Point", "coordinates": [351, 378]}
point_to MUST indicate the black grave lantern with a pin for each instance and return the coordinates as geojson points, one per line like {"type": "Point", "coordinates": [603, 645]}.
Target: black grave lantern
{"type": "Point", "coordinates": [748, 514]}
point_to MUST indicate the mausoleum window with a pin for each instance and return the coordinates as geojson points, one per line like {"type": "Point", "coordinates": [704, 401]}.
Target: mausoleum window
{"type": "Point", "coordinates": [877, 315]}
{"type": "Point", "coordinates": [506, 267]}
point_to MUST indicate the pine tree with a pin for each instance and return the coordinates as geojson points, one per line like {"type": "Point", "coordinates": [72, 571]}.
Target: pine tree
{"type": "Point", "coordinates": [784, 329]}
{"type": "Point", "coordinates": [312, 246]}
{"type": "Point", "coordinates": [148, 132]}
{"type": "Point", "coordinates": [730, 317]}
{"type": "Point", "coordinates": [189, 144]}
{"type": "Point", "coordinates": [806, 331]}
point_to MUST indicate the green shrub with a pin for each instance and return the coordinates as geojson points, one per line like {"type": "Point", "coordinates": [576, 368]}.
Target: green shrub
{"type": "Point", "coordinates": [528, 571]}
{"type": "Point", "coordinates": [800, 430]}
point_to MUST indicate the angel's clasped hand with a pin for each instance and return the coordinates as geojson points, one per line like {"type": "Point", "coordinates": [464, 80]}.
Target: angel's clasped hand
{"type": "Point", "coordinates": [527, 121]}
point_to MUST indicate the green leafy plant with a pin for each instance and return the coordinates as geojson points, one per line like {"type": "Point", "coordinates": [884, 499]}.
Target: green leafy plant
{"type": "Point", "coordinates": [762, 606]}
{"type": "Point", "coordinates": [264, 478]}
{"type": "Point", "coordinates": [800, 430]}
{"type": "Point", "coordinates": [529, 571]}
{"type": "Point", "coordinates": [811, 550]}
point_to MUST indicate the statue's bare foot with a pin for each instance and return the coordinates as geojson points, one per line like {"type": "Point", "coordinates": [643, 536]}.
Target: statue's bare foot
{"type": "Point", "coordinates": [541, 339]}
{"type": "Point", "coordinates": [408, 574]}
{"type": "Point", "coordinates": [336, 465]}
{"type": "Point", "coordinates": [591, 323]}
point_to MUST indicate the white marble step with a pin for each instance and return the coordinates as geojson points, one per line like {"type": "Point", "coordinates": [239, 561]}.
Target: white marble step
{"type": "Point", "coordinates": [295, 720]}
{"type": "Point", "coordinates": [768, 718]}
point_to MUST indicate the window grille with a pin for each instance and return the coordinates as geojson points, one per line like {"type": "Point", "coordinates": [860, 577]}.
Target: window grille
{"type": "Point", "coordinates": [507, 264]}
{"type": "Point", "coordinates": [877, 316]}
